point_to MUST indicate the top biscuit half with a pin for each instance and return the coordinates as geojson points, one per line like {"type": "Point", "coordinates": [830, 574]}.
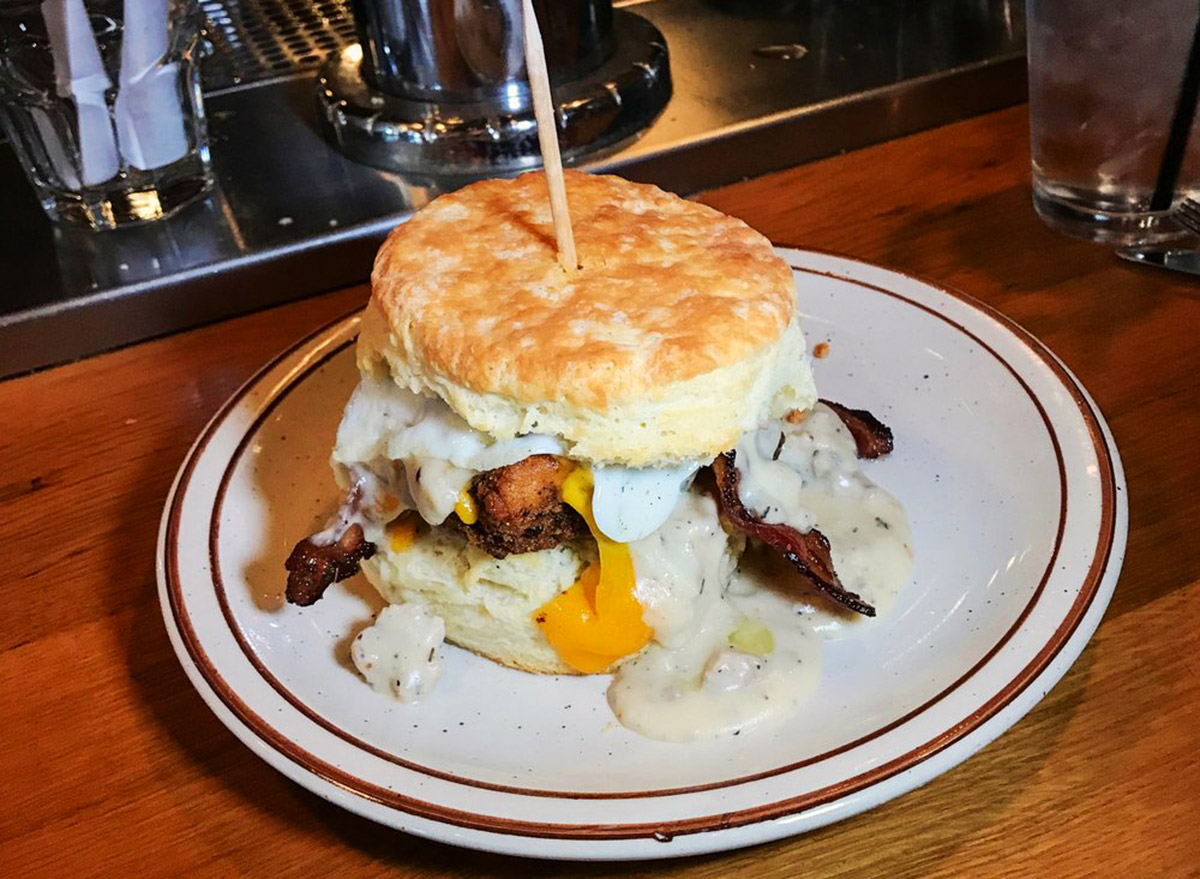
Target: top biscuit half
{"type": "Point", "coordinates": [677, 333]}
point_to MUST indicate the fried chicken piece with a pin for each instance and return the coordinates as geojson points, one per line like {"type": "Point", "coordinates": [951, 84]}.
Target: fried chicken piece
{"type": "Point", "coordinates": [520, 508]}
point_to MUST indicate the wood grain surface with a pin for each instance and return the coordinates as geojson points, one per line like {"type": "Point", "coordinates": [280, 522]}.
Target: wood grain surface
{"type": "Point", "coordinates": [111, 765]}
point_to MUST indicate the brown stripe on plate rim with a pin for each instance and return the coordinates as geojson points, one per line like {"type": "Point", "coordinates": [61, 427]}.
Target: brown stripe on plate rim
{"type": "Point", "coordinates": [296, 702]}
{"type": "Point", "coordinates": [768, 811]}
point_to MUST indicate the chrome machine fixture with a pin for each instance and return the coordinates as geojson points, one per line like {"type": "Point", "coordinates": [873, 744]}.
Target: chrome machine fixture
{"type": "Point", "coordinates": [437, 87]}
{"type": "Point", "coordinates": [755, 86]}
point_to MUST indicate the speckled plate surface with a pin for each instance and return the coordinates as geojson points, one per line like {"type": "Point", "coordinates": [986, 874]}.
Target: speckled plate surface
{"type": "Point", "coordinates": [1017, 502]}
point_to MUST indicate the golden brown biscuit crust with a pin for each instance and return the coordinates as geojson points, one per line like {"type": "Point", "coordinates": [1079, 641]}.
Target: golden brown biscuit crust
{"type": "Point", "coordinates": [667, 290]}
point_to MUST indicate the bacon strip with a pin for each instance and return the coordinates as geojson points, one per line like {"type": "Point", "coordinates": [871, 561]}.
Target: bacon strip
{"type": "Point", "coordinates": [312, 568]}
{"type": "Point", "coordinates": [872, 438]}
{"type": "Point", "coordinates": [808, 552]}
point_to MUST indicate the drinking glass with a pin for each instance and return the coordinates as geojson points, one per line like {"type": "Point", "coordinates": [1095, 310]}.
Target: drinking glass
{"type": "Point", "coordinates": [1104, 80]}
{"type": "Point", "coordinates": [101, 101]}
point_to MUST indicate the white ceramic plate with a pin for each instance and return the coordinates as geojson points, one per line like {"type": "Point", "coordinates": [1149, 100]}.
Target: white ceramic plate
{"type": "Point", "coordinates": [1016, 497]}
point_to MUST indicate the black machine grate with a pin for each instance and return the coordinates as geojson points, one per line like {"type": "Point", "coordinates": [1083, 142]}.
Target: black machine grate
{"type": "Point", "coordinates": [256, 40]}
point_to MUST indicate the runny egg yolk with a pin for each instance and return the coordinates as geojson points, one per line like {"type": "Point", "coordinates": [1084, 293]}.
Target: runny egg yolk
{"type": "Point", "coordinates": [464, 508]}
{"type": "Point", "coordinates": [403, 530]}
{"type": "Point", "coordinates": [599, 619]}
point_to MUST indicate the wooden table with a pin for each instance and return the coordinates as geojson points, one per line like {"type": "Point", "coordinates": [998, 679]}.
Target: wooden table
{"type": "Point", "coordinates": [112, 766]}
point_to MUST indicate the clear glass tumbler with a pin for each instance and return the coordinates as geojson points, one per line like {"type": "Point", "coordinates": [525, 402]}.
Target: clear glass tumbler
{"type": "Point", "coordinates": [101, 100]}
{"type": "Point", "coordinates": [1104, 80]}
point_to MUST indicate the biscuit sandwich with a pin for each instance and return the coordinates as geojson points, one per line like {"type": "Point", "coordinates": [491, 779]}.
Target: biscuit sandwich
{"type": "Point", "coordinates": [549, 467]}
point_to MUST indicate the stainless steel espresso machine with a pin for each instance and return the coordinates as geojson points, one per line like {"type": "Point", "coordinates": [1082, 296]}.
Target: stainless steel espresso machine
{"type": "Point", "coordinates": [438, 87]}
{"type": "Point", "coordinates": [417, 97]}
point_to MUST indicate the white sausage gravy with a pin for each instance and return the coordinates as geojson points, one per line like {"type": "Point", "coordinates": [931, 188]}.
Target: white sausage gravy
{"type": "Point", "coordinates": [737, 644]}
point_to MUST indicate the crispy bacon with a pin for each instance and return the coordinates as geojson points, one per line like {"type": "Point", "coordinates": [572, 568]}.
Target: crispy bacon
{"type": "Point", "coordinates": [313, 567]}
{"type": "Point", "coordinates": [872, 438]}
{"type": "Point", "coordinates": [809, 552]}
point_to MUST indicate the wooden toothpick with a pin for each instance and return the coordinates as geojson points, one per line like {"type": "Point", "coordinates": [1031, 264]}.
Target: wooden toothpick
{"type": "Point", "coordinates": [543, 111]}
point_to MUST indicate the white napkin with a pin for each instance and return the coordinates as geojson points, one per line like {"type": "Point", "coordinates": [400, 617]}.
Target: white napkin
{"type": "Point", "coordinates": [148, 113]}
{"type": "Point", "coordinates": [79, 74]}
